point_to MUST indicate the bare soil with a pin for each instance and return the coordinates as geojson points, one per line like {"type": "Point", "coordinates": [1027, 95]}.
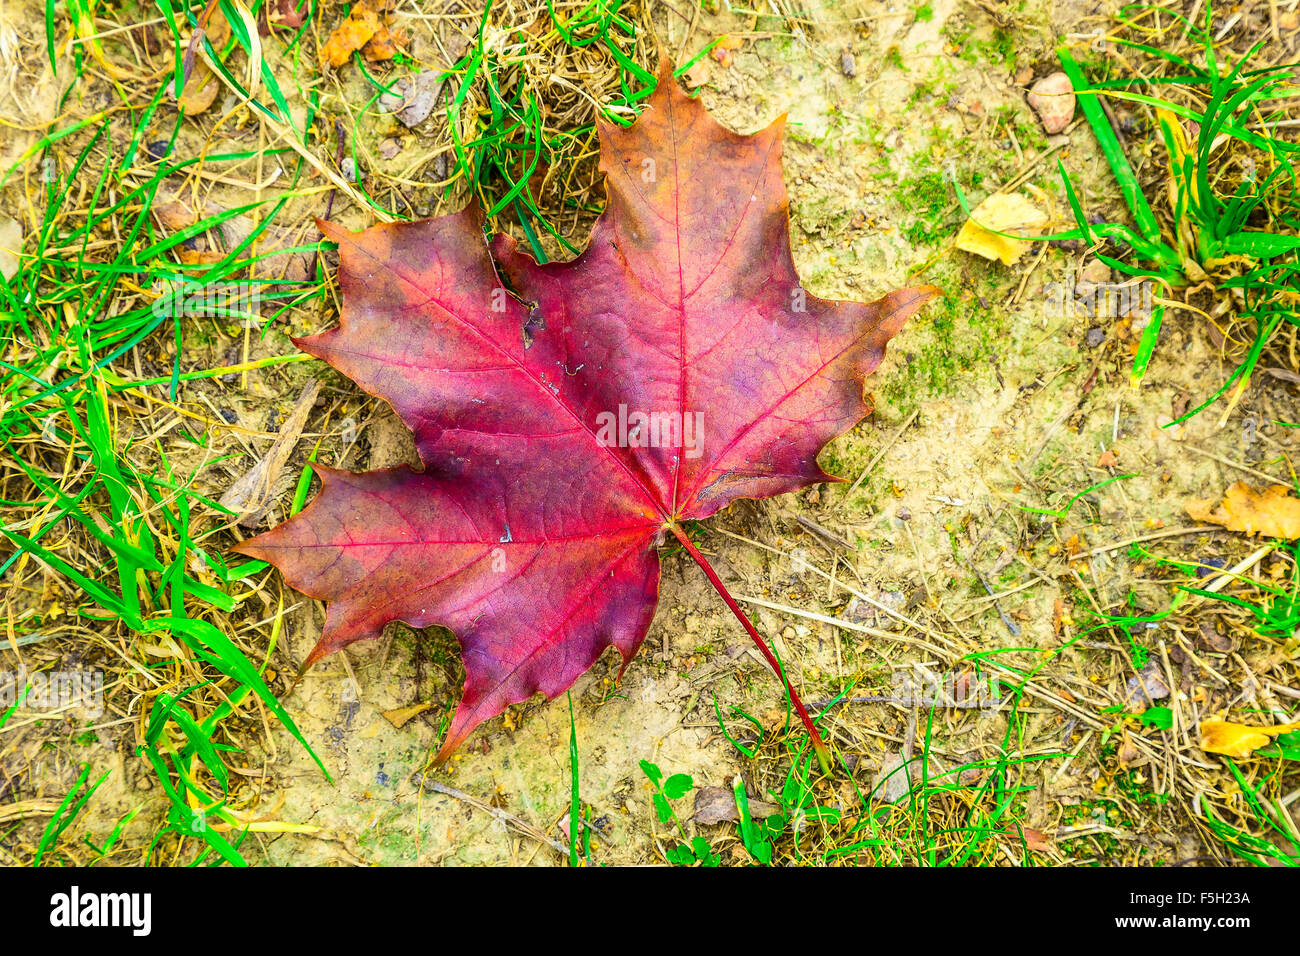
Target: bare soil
{"type": "Point", "coordinates": [989, 403]}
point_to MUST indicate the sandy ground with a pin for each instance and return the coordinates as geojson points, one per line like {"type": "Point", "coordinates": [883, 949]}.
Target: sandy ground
{"type": "Point", "coordinates": [991, 402]}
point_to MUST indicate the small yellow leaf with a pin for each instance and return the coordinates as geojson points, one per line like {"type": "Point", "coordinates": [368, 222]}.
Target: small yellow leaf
{"type": "Point", "coordinates": [722, 50]}
{"type": "Point", "coordinates": [350, 35]}
{"type": "Point", "coordinates": [1238, 740]}
{"type": "Point", "coordinates": [399, 717]}
{"type": "Point", "coordinates": [1273, 513]}
{"type": "Point", "coordinates": [1001, 213]}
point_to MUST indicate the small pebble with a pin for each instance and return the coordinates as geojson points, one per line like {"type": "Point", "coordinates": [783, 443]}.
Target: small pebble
{"type": "Point", "coordinates": [1052, 98]}
{"type": "Point", "coordinates": [1095, 272]}
{"type": "Point", "coordinates": [1210, 565]}
{"type": "Point", "coordinates": [1095, 337]}
{"type": "Point", "coordinates": [412, 98]}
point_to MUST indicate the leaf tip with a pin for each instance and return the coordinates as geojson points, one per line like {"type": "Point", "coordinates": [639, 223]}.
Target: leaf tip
{"type": "Point", "coordinates": [313, 345]}
{"type": "Point", "coordinates": [247, 549]}
{"type": "Point", "coordinates": [321, 650]}
{"type": "Point", "coordinates": [902, 304]}
{"type": "Point", "coordinates": [331, 230]}
{"type": "Point", "coordinates": [456, 735]}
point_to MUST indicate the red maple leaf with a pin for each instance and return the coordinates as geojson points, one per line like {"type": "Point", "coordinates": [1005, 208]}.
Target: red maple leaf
{"type": "Point", "coordinates": [570, 416]}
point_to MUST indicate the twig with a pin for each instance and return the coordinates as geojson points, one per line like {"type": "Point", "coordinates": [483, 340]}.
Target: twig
{"type": "Point", "coordinates": [497, 813]}
{"type": "Point", "coordinates": [879, 455]}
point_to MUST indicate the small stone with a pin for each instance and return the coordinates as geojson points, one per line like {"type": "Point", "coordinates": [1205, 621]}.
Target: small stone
{"type": "Point", "coordinates": [718, 805]}
{"type": "Point", "coordinates": [1145, 688]}
{"type": "Point", "coordinates": [1052, 98]}
{"type": "Point", "coordinates": [897, 774]}
{"type": "Point", "coordinates": [848, 66]}
{"type": "Point", "coordinates": [1096, 272]}
{"type": "Point", "coordinates": [894, 776]}
{"type": "Point", "coordinates": [1095, 337]}
{"type": "Point", "coordinates": [1209, 566]}
{"type": "Point", "coordinates": [1024, 75]}
{"type": "Point", "coordinates": [413, 97]}
{"type": "Point", "coordinates": [390, 101]}
{"type": "Point", "coordinates": [11, 241]}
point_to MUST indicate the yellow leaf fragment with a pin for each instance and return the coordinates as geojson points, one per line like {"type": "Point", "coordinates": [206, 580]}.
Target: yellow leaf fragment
{"type": "Point", "coordinates": [350, 35]}
{"type": "Point", "coordinates": [1238, 740]}
{"type": "Point", "coordinates": [402, 715]}
{"type": "Point", "coordinates": [722, 50]}
{"type": "Point", "coordinates": [368, 28]}
{"type": "Point", "coordinates": [1001, 213]}
{"type": "Point", "coordinates": [278, 826]}
{"type": "Point", "coordinates": [1273, 513]}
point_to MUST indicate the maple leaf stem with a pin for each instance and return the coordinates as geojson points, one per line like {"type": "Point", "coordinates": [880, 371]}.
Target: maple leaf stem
{"type": "Point", "coordinates": [819, 745]}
